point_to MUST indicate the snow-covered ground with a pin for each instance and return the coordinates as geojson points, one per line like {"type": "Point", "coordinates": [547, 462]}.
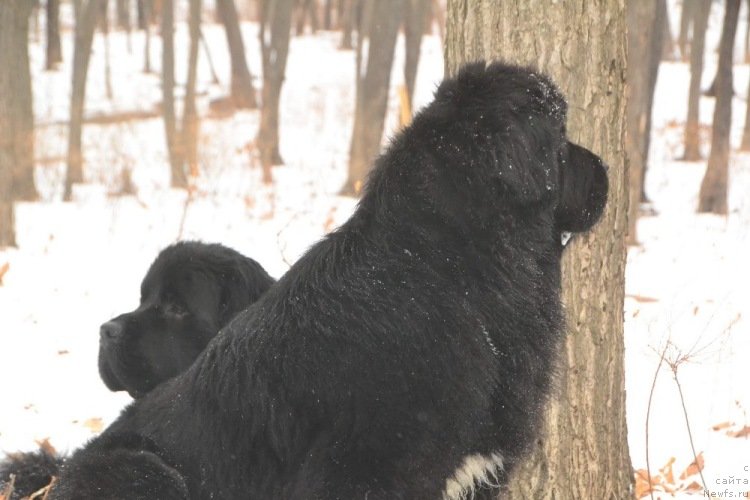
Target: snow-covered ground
{"type": "Point", "coordinates": [77, 264]}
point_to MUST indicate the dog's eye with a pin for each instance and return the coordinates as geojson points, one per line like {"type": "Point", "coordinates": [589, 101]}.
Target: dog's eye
{"type": "Point", "coordinates": [174, 310]}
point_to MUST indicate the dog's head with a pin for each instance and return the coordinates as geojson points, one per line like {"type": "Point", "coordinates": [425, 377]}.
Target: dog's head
{"type": "Point", "coordinates": [498, 132]}
{"type": "Point", "coordinates": [190, 291]}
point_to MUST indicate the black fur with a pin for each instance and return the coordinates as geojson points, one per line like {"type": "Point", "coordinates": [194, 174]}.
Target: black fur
{"type": "Point", "coordinates": [191, 290]}
{"type": "Point", "coordinates": [189, 293]}
{"type": "Point", "coordinates": [422, 331]}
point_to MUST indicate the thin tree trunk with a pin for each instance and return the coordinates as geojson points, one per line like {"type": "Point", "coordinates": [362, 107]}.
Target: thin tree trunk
{"type": "Point", "coordinates": [276, 22]}
{"type": "Point", "coordinates": [190, 113]}
{"type": "Point", "coordinates": [745, 144]}
{"type": "Point", "coordinates": [692, 124]}
{"type": "Point", "coordinates": [328, 15]}
{"type": "Point", "coordinates": [16, 114]}
{"type": "Point", "coordinates": [347, 24]}
{"type": "Point", "coordinates": [86, 16]}
{"type": "Point", "coordinates": [174, 141]}
{"type": "Point", "coordinates": [747, 35]}
{"type": "Point", "coordinates": [713, 192]}
{"type": "Point", "coordinates": [583, 452]}
{"type": "Point", "coordinates": [107, 67]}
{"type": "Point", "coordinates": [686, 21]}
{"type": "Point", "coordinates": [640, 41]}
{"type": "Point", "coordinates": [54, 52]}
{"type": "Point", "coordinates": [378, 31]}
{"type": "Point", "coordinates": [415, 20]}
{"type": "Point", "coordinates": [655, 55]}
{"type": "Point", "coordinates": [241, 82]}
{"type": "Point", "coordinates": [144, 9]}
{"type": "Point", "coordinates": [143, 14]}
{"type": "Point", "coordinates": [123, 14]}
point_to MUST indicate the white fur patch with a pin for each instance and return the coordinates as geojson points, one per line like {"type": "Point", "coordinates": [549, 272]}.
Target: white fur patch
{"type": "Point", "coordinates": [475, 470]}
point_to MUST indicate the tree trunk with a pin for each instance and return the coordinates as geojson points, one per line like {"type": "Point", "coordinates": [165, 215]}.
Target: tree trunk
{"type": "Point", "coordinates": [655, 55]}
{"type": "Point", "coordinates": [242, 93]}
{"type": "Point", "coordinates": [144, 9]}
{"type": "Point", "coordinates": [378, 31]}
{"type": "Point", "coordinates": [689, 7]}
{"type": "Point", "coordinates": [583, 452]}
{"type": "Point", "coordinates": [190, 113]}
{"type": "Point", "coordinates": [745, 144]}
{"type": "Point", "coordinates": [174, 141]}
{"type": "Point", "coordinates": [692, 124]}
{"type": "Point", "coordinates": [347, 24]}
{"type": "Point", "coordinates": [747, 36]}
{"type": "Point", "coordinates": [668, 50]}
{"type": "Point", "coordinates": [86, 16]}
{"type": "Point", "coordinates": [415, 20]}
{"type": "Point", "coordinates": [54, 52]}
{"type": "Point", "coordinates": [640, 41]}
{"type": "Point", "coordinates": [123, 14]}
{"type": "Point", "coordinates": [276, 22]}
{"type": "Point", "coordinates": [713, 193]}
{"type": "Point", "coordinates": [16, 115]}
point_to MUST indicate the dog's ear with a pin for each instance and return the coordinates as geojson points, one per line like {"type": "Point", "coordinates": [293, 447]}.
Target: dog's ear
{"type": "Point", "coordinates": [583, 188]}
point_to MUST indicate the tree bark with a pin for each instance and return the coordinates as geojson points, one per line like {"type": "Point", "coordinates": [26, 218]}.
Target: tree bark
{"type": "Point", "coordinates": [377, 33]}
{"type": "Point", "coordinates": [241, 83]}
{"type": "Point", "coordinates": [692, 124]}
{"type": "Point", "coordinates": [16, 115]}
{"type": "Point", "coordinates": [54, 52]}
{"type": "Point", "coordinates": [174, 141]}
{"type": "Point", "coordinates": [415, 21]}
{"type": "Point", "coordinates": [190, 113]}
{"type": "Point", "coordinates": [276, 22]}
{"type": "Point", "coordinates": [86, 17]}
{"type": "Point", "coordinates": [713, 192]}
{"type": "Point", "coordinates": [583, 451]}
{"type": "Point", "coordinates": [689, 7]}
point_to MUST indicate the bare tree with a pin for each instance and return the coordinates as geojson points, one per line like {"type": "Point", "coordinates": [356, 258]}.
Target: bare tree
{"type": "Point", "coordinates": [584, 452]}
{"type": "Point", "coordinates": [415, 20]}
{"type": "Point", "coordinates": [54, 52]}
{"type": "Point", "coordinates": [376, 43]}
{"type": "Point", "coordinates": [190, 113]}
{"type": "Point", "coordinates": [241, 83]}
{"type": "Point", "coordinates": [16, 114]}
{"type": "Point", "coordinates": [713, 192]}
{"type": "Point", "coordinates": [174, 141]}
{"type": "Point", "coordinates": [640, 41]}
{"type": "Point", "coordinates": [86, 12]}
{"type": "Point", "coordinates": [692, 124]}
{"type": "Point", "coordinates": [123, 14]}
{"type": "Point", "coordinates": [347, 23]}
{"type": "Point", "coordinates": [686, 22]}
{"type": "Point", "coordinates": [655, 55]}
{"type": "Point", "coordinates": [276, 22]}
{"type": "Point", "coordinates": [144, 10]}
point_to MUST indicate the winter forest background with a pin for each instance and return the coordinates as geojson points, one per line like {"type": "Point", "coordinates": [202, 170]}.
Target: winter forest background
{"type": "Point", "coordinates": [126, 125]}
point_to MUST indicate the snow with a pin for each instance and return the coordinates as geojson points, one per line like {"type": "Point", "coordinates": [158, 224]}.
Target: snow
{"type": "Point", "coordinates": [78, 264]}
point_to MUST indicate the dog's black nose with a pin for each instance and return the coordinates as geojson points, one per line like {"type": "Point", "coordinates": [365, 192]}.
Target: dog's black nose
{"type": "Point", "coordinates": [111, 330]}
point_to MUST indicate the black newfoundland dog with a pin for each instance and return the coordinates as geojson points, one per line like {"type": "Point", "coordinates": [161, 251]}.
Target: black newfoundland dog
{"type": "Point", "coordinates": [189, 293]}
{"type": "Point", "coordinates": [405, 356]}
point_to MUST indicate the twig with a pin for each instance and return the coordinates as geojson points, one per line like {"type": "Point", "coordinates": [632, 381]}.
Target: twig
{"type": "Point", "coordinates": [188, 200]}
{"type": "Point", "coordinates": [687, 424]}
{"type": "Point", "coordinates": [648, 415]}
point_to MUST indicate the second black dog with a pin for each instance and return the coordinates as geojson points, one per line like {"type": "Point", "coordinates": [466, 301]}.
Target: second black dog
{"type": "Point", "coordinates": [188, 294]}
